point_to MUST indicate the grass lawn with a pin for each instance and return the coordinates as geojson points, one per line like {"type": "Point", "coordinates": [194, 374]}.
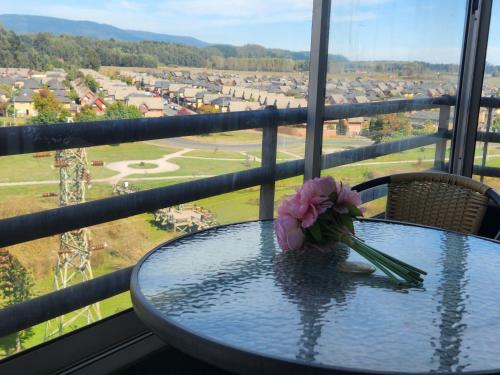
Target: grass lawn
{"type": "Point", "coordinates": [240, 136]}
{"type": "Point", "coordinates": [215, 153]}
{"type": "Point", "coordinates": [9, 121]}
{"type": "Point", "coordinates": [29, 168]}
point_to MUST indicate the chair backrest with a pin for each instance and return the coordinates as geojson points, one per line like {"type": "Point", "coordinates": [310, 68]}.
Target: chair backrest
{"type": "Point", "coordinates": [437, 199]}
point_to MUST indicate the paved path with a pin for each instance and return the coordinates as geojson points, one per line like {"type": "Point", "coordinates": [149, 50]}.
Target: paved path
{"type": "Point", "coordinates": [162, 165]}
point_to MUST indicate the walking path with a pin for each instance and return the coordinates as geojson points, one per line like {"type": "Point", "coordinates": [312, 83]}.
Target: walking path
{"type": "Point", "coordinates": [162, 165]}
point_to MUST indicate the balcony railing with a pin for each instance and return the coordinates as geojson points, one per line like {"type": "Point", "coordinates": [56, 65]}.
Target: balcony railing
{"type": "Point", "coordinates": [30, 139]}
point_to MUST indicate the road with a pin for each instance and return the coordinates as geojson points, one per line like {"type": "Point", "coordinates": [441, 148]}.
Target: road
{"type": "Point", "coordinates": [284, 141]}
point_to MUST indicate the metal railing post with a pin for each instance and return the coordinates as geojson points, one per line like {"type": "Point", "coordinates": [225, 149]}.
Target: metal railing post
{"type": "Point", "coordinates": [269, 151]}
{"type": "Point", "coordinates": [470, 86]}
{"type": "Point", "coordinates": [318, 67]}
{"type": "Point", "coordinates": [443, 125]}
{"type": "Point", "coordinates": [485, 144]}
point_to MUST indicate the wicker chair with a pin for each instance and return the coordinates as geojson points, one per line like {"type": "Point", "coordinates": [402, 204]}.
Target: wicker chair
{"type": "Point", "coordinates": [440, 200]}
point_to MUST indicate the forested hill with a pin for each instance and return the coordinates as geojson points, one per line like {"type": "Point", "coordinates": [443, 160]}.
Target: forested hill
{"type": "Point", "coordinates": [45, 50]}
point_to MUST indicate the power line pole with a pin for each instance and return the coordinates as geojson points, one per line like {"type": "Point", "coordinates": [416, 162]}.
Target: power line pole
{"type": "Point", "coordinates": [73, 259]}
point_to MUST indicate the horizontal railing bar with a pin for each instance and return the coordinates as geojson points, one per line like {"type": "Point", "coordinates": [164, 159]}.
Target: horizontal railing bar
{"type": "Point", "coordinates": [381, 149]}
{"type": "Point", "coordinates": [37, 138]}
{"type": "Point", "coordinates": [488, 137]}
{"type": "Point", "coordinates": [490, 102]}
{"type": "Point", "coordinates": [32, 226]}
{"type": "Point", "coordinates": [26, 314]}
{"type": "Point", "coordinates": [486, 171]}
{"type": "Point", "coordinates": [342, 111]}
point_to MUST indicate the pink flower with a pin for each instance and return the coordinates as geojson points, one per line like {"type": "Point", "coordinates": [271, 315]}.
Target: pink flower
{"type": "Point", "coordinates": [310, 201]}
{"type": "Point", "coordinates": [288, 232]}
{"type": "Point", "coordinates": [346, 196]}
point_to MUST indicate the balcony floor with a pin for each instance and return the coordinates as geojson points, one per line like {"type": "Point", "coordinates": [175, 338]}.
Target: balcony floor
{"type": "Point", "coordinates": [171, 361]}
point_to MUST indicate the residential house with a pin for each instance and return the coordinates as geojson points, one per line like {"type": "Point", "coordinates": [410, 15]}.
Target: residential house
{"type": "Point", "coordinates": [358, 99]}
{"type": "Point", "coordinates": [241, 105]}
{"type": "Point", "coordinates": [23, 104]}
{"type": "Point", "coordinates": [148, 105]}
{"type": "Point", "coordinates": [222, 103]}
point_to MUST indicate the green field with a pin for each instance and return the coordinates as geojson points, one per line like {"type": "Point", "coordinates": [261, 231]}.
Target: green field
{"type": "Point", "coordinates": [128, 239]}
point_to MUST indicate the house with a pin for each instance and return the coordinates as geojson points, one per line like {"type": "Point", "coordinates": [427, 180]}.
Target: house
{"type": "Point", "coordinates": [354, 126]}
{"type": "Point", "coordinates": [241, 105]}
{"type": "Point", "coordinates": [297, 103]}
{"type": "Point", "coordinates": [148, 105]}
{"type": "Point", "coordinates": [336, 99]}
{"type": "Point", "coordinates": [161, 87]}
{"type": "Point", "coordinates": [31, 84]}
{"type": "Point", "coordinates": [358, 99]}
{"type": "Point", "coordinates": [63, 98]}
{"type": "Point", "coordinates": [207, 98]}
{"type": "Point", "coordinates": [188, 94]}
{"type": "Point", "coordinates": [221, 103]}
{"type": "Point", "coordinates": [97, 104]}
{"type": "Point", "coordinates": [174, 89]}
{"type": "Point", "coordinates": [122, 93]}
{"type": "Point", "coordinates": [23, 104]}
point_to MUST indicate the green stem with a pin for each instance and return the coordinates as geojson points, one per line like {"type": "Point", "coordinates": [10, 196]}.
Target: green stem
{"type": "Point", "coordinates": [387, 264]}
{"type": "Point", "coordinates": [395, 268]}
{"type": "Point", "coordinates": [401, 266]}
{"type": "Point", "coordinates": [378, 265]}
{"type": "Point", "coordinates": [390, 257]}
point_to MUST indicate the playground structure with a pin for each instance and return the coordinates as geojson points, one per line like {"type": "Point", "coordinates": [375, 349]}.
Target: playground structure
{"type": "Point", "coordinates": [184, 218]}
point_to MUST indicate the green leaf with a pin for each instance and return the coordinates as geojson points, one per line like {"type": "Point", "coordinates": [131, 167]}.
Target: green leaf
{"type": "Point", "coordinates": [353, 210]}
{"type": "Point", "coordinates": [346, 221]}
{"type": "Point", "coordinates": [333, 197]}
{"type": "Point", "coordinates": [315, 231]}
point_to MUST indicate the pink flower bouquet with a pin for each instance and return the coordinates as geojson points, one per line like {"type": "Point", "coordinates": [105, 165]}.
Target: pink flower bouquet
{"type": "Point", "coordinates": [321, 212]}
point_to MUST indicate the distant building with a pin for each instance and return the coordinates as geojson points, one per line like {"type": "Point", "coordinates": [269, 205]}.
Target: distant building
{"type": "Point", "coordinates": [23, 104]}
{"type": "Point", "coordinates": [149, 106]}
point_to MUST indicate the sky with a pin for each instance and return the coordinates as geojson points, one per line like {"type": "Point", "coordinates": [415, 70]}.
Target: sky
{"type": "Point", "coordinates": [425, 30]}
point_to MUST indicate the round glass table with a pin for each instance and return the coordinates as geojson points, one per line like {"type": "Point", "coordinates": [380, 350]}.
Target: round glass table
{"type": "Point", "coordinates": [231, 297]}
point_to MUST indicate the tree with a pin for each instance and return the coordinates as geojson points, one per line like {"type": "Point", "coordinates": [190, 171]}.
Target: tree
{"type": "Point", "coordinates": [119, 110]}
{"type": "Point", "coordinates": [49, 109]}
{"type": "Point", "coordinates": [7, 89]}
{"type": "Point", "coordinates": [16, 285]}
{"type": "Point", "coordinates": [429, 127]}
{"type": "Point", "coordinates": [207, 108]}
{"type": "Point", "coordinates": [391, 126]}
{"type": "Point", "coordinates": [91, 83]}
{"type": "Point", "coordinates": [73, 95]}
{"type": "Point", "coordinates": [86, 114]}
{"type": "Point", "coordinates": [341, 127]}
{"type": "Point", "coordinates": [496, 124]}
{"type": "Point", "coordinates": [3, 108]}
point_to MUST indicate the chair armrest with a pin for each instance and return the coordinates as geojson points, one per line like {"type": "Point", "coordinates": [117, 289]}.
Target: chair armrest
{"type": "Point", "coordinates": [372, 183]}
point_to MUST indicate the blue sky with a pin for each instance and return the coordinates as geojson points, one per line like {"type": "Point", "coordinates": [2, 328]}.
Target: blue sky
{"type": "Point", "coordinates": [428, 30]}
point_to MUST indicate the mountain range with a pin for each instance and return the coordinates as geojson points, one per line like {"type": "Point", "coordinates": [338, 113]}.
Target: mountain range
{"type": "Point", "coordinates": [24, 24]}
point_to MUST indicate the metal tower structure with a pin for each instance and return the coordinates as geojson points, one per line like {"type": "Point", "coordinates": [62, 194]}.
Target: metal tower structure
{"type": "Point", "coordinates": [75, 248]}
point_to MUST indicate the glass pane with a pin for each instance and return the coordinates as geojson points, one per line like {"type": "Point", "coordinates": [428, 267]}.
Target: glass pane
{"type": "Point", "coordinates": [488, 153]}
{"type": "Point", "coordinates": [384, 51]}
{"type": "Point", "coordinates": [232, 58]}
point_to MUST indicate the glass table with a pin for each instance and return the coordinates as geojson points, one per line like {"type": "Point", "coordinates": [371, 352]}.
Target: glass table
{"type": "Point", "coordinates": [231, 297]}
